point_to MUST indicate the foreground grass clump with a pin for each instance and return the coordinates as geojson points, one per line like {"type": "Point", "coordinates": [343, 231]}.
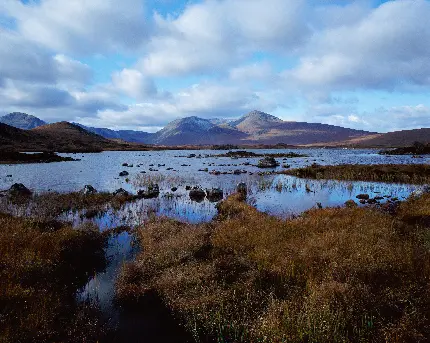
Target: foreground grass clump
{"type": "Point", "coordinates": [42, 266]}
{"type": "Point", "coordinates": [401, 173]}
{"type": "Point", "coordinates": [330, 275]}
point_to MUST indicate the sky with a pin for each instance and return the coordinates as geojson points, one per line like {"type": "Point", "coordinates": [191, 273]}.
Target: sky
{"type": "Point", "coordinates": [139, 64]}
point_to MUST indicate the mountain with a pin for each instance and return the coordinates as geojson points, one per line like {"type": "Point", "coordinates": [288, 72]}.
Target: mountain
{"type": "Point", "coordinates": [21, 120]}
{"type": "Point", "coordinates": [195, 130]}
{"type": "Point", "coordinates": [263, 128]}
{"type": "Point", "coordinates": [125, 135]}
{"type": "Point", "coordinates": [256, 122]}
{"type": "Point", "coordinates": [253, 128]}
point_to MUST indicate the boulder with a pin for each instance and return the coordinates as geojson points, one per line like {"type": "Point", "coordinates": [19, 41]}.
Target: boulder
{"type": "Point", "coordinates": [214, 194]}
{"type": "Point", "coordinates": [151, 191]}
{"type": "Point", "coordinates": [197, 194]}
{"type": "Point", "coordinates": [18, 189]}
{"type": "Point", "coordinates": [121, 192]}
{"type": "Point", "coordinates": [350, 203]}
{"type": "Point", "coordinates": [267, 162]}
{"type": "Point", "coordinates": [123, 173]}
{"type": "Point", "coordinates": [88, 189]}
{"type": "Point", "coordinates": [363, 196]}
{"type": "Point", "coordinates": [174, 189]}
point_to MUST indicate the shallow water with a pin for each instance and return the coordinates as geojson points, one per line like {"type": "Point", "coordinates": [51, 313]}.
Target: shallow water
{"type": "Point", "coordinates": [280, 195]}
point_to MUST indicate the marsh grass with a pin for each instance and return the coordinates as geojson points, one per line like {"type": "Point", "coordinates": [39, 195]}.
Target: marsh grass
{"type": "Point", "coordinates": [400, 173]}
{"type": "Point", "coordinates": [329, 275]}
{"type": "Point", "coordinates": [166, 181]}
{"type": "Point", "coordinates": [51, 205]}
{"type": "Point", "coordinates": [43, 263]}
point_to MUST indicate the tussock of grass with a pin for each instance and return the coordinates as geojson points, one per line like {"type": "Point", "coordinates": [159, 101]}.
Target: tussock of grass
{"type": "Point", "coordinates": [400, 173]}
{"type": "Point", "coordinates": [42, 265]}
{"type": "Point", "coordinates": [330, 275]}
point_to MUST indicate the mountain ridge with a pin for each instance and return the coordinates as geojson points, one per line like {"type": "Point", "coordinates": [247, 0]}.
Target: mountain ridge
{"type": "Point", "coordinates": [21, 120]}
{"type": "Point", "coordinates": [255, 127]}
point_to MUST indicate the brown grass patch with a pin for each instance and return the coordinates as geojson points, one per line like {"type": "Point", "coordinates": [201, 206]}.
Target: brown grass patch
{"type": "Point", "coordinates": [42, 265]}
{"type": "Point", "coordinates": [399, 173]}
{"type": "Point", "coordinates": [330, 275]}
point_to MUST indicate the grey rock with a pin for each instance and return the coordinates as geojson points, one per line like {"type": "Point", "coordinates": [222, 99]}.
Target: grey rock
{"type": "Point", "coordinates": [214, 194]}
{"type": "Point", "coordinates": [18, 189]}
{"type": "Point", "coordinates": [88, 189]}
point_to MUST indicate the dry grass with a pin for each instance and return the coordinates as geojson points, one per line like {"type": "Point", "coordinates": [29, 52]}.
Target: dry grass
{"type": "Point", "coordinates": [400, 173]}
{"type": "Point", "coordinates": [42, 266]}
{"type": "Point", "coordinates": [53, 204]}
{"type": "Point", "coordinates": [330, 275]}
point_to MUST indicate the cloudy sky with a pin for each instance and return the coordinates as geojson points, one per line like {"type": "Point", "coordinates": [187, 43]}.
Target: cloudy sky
{"type": "Point", "coordinates": [139, 64]}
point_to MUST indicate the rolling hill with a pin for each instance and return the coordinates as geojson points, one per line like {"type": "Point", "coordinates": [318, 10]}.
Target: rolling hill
{"type": "Point", "coordinates": [391, 139]}
{"type": "Point", "coordinates": [61, 137]}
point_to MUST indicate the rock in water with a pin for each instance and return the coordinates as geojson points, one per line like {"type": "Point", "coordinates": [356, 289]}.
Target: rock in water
{"type": "Point", "coordinates": [152, 191]}
{"type": "Point", "coordinates": [121, 192]}
{"type": "Point", "coordinates": [197, 194]}
{"type": "Point", "coordinates": [363, 196]}
{"type": "Point", "coordinates": [267, 162]}
{"type": "Point", "coordinates": [18, 189]}
{"type": "Point", "coordinates": [123, 173]}
{"type": "Point", "coordinates": [214, 194]}
{"type": "Point", "coordinates": [88, 189]}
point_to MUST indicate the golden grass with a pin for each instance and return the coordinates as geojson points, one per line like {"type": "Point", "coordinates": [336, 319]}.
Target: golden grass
{"type": "Point", "coordinates": [399, 173]}
{"type": "Point", "coordinates": [330, 275]}
{"type": "Point", "coordinates": [42, 265]}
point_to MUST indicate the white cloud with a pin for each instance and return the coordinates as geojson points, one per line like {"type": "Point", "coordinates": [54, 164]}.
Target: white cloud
{"type": "Point", "coordinates": [81, 26]}
{"type": "Point", "coordinates": [216, 34]}
{"type": "Point", "coordinates": [387, 49]}
{"type": "Point", "coordinates": [134, 84]}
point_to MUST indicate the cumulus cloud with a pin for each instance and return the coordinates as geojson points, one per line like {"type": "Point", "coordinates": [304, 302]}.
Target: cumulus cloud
{"type": "Point", "coordinates": [281, 56]}
{"type": "Point", "coordinates": [386, 49]}
{"type": "Point", "coordinates": [216, 34]}
{"type": "Point", "coordinates": [134, 84]}
{"type": "Point", "coordinates": [81, 26]}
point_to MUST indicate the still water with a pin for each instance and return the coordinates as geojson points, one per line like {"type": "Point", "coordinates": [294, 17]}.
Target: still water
{"type": "Point", "coordinates": [279, 195]}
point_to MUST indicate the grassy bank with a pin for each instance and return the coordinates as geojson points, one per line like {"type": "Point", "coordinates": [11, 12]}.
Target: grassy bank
{"type": "Point", "coordinates": [21, 158]}
{"type": "Point", "coordinates": [399, 173]}
{"type": "Point", "coordinates": [42, 266]}
{"type": "Point", "coordinates": [330, 275]}
{"type": "Point", "coordinates": [53, 204]}
{"type": "Point", "coordinates": [249, 154]}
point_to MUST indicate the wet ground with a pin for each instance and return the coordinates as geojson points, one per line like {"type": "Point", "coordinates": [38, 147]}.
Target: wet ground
{"type": "Point", "coordinates": [280, 195]}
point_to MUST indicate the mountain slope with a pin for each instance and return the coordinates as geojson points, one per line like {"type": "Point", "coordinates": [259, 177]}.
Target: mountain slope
{"type": "Point", "coordinates": [194, 130]}
{"type": "Point", "coordinates": [61, 137]}
{"type": "Point", "coordinates": [125, 135]}
{"type": "Point", "coordinates": [255, 122]}
{"type": "Point", "coordinates": [21, 120]}
{"type": "Point", "coordinates": [391, 139]}
{"type": "Point", "coordinates": [263, 128]}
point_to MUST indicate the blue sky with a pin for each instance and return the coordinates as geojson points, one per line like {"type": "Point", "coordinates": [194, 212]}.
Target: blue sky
{"type": "Point", "coordinates": [138, 64]}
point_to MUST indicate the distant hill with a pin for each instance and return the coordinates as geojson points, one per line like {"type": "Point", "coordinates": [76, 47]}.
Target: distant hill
{"type": "Point", "coordinates": [391, 139]}
{"type": "Point", "coordinates": [125, 135]}
{"type": "Point", "coordinates": [61, 137]}
{"type": "Point", "coordinates": [21, 120]}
